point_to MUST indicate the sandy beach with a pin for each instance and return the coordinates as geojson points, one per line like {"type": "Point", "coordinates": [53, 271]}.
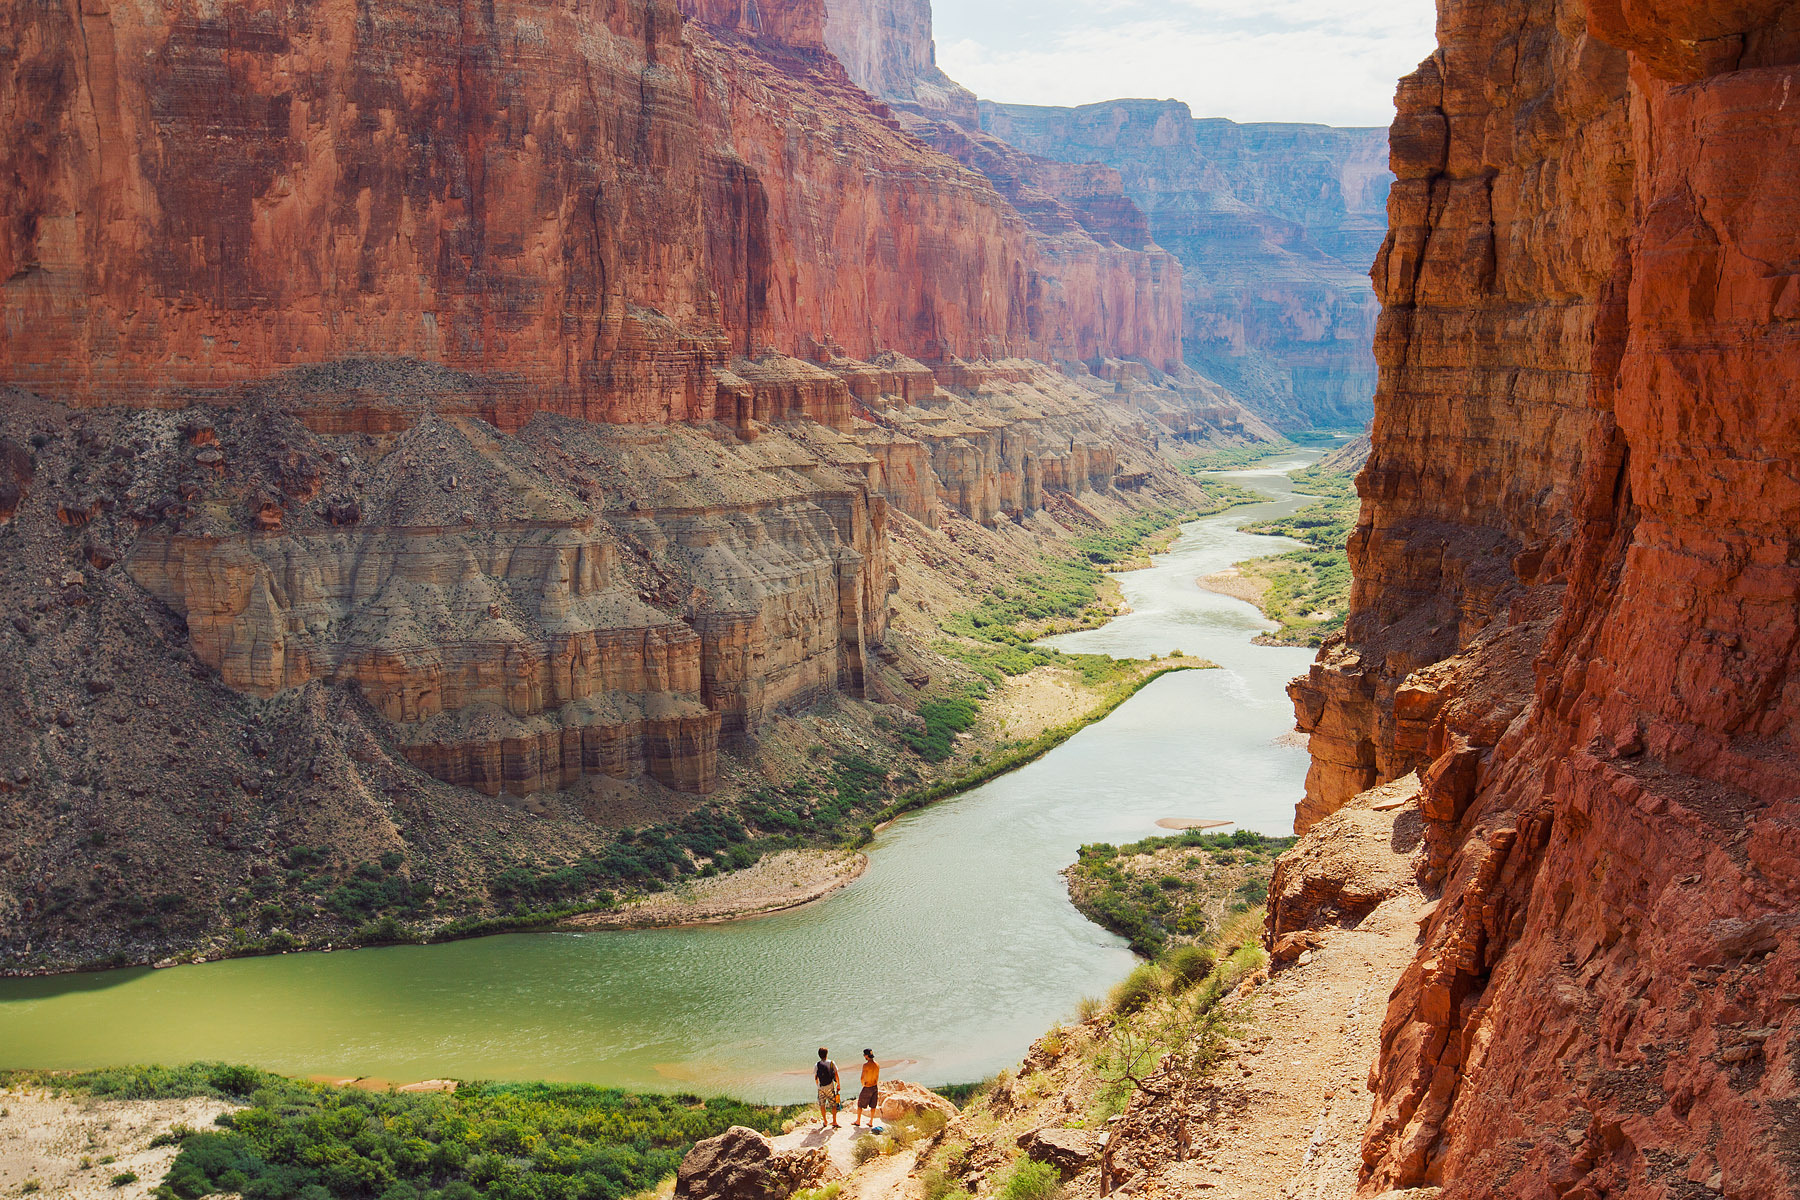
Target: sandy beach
{"type": "Point", "coordinates": [780, 881]}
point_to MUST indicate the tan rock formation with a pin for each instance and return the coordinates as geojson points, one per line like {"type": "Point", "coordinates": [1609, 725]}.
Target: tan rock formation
{"type": "Point", "coordinates": [515, 652]}
{"type": "Point", "coordinates": [742, 1164]}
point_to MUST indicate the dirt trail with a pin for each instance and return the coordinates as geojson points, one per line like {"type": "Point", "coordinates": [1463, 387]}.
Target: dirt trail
{"type": "Point", "coordinates": [1281, 1113]}
{"type": "Point", "coordinates": [1293, 1100]}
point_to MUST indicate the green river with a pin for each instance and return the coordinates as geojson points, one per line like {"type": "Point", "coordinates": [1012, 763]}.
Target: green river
{"type": "Point", "coordinates": [953, 951]}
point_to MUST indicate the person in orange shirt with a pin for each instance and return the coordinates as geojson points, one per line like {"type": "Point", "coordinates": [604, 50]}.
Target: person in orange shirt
{"type": "Point", "coordinates": [870, 1096]}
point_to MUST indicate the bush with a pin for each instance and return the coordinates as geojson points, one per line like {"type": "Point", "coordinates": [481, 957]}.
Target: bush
{"type": "Point", "coordinates": [123, 1178]}
{"type": "Point", "coordinates": [485, 1141]}
{"type": "Point", "coordinates": [1089, 1007]}
{"type": "Point", "coordinates": [936, 1184]}
{"type": "Point", "coordinates": [913, 1127]}
{"type": "Point", "coordinates": [1137, 989]}
{"type": "Point", "coordinates": [1031, 1180]}
{"type": "Point", "coordinates": [1188, 965]}
{"type": "Point", "coordinates": [944, 719]}
{"type": "Point", "coordinates": [864, 1148]}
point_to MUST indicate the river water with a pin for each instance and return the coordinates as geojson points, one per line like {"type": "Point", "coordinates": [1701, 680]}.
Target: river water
{"type": "Point", "coordinates": [952, 952]}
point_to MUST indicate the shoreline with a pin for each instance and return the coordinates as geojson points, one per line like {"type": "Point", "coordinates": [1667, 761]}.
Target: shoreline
{"type": "Point", "coordinates": [1237, 584]}
{"type": "Point", "coordinates": [736, 896]}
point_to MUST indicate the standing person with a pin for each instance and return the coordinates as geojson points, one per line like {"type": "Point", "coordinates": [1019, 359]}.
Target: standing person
{"type": "Point", "coordinates": [870, 1096]}
{"type": "Point", "coordinates": [825, 1073]}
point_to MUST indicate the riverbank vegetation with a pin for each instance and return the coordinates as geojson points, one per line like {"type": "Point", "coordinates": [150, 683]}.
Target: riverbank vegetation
{"type": "Point", "coordinates": [1308, 592]}
{"type": "Point", "coordinates": [1167, 1024]}
{"type": "Point", "coordinates": [1173, 891]}
{"type": "Point", "coordinates": [501, 872]}
{"type": "Point", "coordinates": [504, 1141]}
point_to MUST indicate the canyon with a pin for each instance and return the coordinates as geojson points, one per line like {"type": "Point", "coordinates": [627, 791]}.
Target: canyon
{"type": "Point", "coordinates": [419, 421]}
{"type": "Point", "coordinates": [436, 434]}
{"type": "Point", "coordinates": [1274, 226]}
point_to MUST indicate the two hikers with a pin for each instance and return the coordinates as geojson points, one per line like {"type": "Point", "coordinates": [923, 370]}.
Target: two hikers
{"type": "Point", "coordinates": [825, 1074]}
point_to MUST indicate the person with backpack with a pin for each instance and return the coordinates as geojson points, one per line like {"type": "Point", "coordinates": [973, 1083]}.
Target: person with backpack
{"type": "Point", "coordinates": [825, 1073]}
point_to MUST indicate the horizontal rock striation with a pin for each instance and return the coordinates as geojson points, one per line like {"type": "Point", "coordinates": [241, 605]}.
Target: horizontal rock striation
{"type": "Point", "coordinates": [1574, 605]}
{"type": "Point", "coordinates": [475, 587]}
{"type": "Point", "coordinates": [612, 201]}
{"type": "Point", "coordinates": [577, 353]}
{"type": "Point", "coordinates": [1274, 225]}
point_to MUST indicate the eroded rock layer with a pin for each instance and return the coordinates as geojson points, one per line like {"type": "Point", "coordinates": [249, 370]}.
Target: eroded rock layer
{"type": "Point", "coordinates": [1575, 604]}
{"type": "Point", "coordinates": [582, 210]}
{"type": "Point", "coordinates": [1275, 227]}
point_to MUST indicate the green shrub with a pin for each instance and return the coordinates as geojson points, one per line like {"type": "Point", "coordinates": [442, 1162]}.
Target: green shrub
{"type": "Point", "coordinates": [918, 1126]}
{"type": "Point", "coordinates": [123, 1178]}
{"type": "Point", "coordinates": [1253, 892]}
{"type": "Point", "coordinates": [485, 1141]}
{"type": "Point", "coordinates": [1188, 965]}
{"type": "Point", "coordinates": [1031, 1180]}
{"type": "Point", "coordinates": [1137, 989]}
{"type": "Point", "coordinates": [937, 1185]}
{"type": "Point", "coordinates": [944, 719]}
{"type": "Point", "coordinates": [864, 1148]}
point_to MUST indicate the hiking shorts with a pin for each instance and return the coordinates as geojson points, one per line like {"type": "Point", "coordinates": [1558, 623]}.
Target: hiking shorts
{"type": "Point", "coordinates": [828, 1097]}
{"type": "Point", "coordinates": [868, 1097]}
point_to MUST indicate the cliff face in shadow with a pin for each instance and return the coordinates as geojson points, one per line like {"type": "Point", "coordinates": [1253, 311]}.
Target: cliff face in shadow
{"type": "Point", "coordinates": [1275, 227]}
{"type": "Point", "coordinates": [1574, 608]}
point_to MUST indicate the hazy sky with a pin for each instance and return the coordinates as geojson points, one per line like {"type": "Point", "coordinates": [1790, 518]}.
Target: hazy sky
{"type": "Point", "coordinates": [1332, 61]}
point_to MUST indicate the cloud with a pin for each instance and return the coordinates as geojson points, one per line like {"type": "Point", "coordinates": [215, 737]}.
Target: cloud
{"type": "Point", "coordinates": [1331, 61]}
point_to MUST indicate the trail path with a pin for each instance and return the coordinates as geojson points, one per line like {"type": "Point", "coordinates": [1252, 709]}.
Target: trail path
{"type": "Point", "coordinates": [1294, 1101]}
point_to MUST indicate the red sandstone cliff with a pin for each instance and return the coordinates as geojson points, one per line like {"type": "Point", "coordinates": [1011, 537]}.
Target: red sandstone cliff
{"type": "Point", "coordinates": [545, 382]}
{"type": "Point", "coordinates": [584, 209]}
{"type": "Point", "coordinates": [1575, 606]}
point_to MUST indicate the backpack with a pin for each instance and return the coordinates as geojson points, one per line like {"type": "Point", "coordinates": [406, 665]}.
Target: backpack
{"type": "Point", "coordinates": [825, 1073]}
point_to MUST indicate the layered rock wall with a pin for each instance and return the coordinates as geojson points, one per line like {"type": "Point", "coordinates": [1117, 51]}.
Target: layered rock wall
{"type": "Point", "coordinates": [1574, 609]}
{"type": "Point", "coordinates": [580, 210]}
{"type": "Point", "coordinates": [1274, 225]}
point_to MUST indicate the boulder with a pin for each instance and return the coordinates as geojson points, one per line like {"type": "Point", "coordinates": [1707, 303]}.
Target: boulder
{"type": "Point", "coordinates": [1068, 1150]}
{"type": "Point", "coordinates": [902, 1099]}
{"type": "Point", "coordinates": [742, 1164]}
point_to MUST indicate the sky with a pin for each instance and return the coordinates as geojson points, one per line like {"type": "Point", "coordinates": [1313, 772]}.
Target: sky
{"type": "Point", "coordinates": [1329, 61]}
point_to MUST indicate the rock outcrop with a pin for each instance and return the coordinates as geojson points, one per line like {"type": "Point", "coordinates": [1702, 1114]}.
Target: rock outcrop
{"type": "Point", "coordinates": [1275, 227]}
{"type": "Point", "coordinates": [1574, 604]}
{"type": "Point", "coordinates": [900, 1099]}
{"type": "Point", "coordinates": [742, 1164]}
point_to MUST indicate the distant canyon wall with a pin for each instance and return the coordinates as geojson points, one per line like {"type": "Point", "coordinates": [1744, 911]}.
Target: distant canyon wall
{"type": "Point", "coordinates": [1574, 609]}
{"type": "Point", "coordinates": [1275, 226]}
